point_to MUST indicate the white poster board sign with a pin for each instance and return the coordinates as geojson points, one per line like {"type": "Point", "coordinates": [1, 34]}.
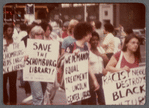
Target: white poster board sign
{"type": "Point", "coordinates": [13, 57]}
{"type": "Point", "coordinates": [123, 88]}
{"type": "Point", "coordinates": [76, 79]}
{"type": "Point", "coordinates": [42, 59]}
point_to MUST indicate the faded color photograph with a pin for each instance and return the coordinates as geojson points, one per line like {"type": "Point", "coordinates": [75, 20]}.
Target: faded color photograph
{"type": "Point", "coordinates": [74, 54]}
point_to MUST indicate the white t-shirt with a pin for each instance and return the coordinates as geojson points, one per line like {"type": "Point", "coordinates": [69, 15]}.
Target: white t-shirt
{"type": "Point", "coordinates": [109, 41]}
{"type": "Point", "coordinates": [96, 62]}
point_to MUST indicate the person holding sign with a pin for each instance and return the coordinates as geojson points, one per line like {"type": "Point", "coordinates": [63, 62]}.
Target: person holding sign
{"type": "Point", "coordinates": [24, 39]}
{"type": "Point", "coordinates": [127, 58]}
{"type": "Point", "coordinates": [37, 88]}
{"type": "Point", "coordinates": [123, 79]}
{"type": "Point", "coordinates": [51, 87]}
{"type": "Point", "coordinates": [12, 76]}
{"type": "Point", "coordinates": [82, 34]}
{"type": "Point", "coordinates": [22, 34]}
{"type": "Point", "coordinates": [97, 61]}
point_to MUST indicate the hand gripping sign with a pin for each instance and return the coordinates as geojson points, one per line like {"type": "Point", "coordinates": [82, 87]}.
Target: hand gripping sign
{"type": "Point", "coordinates": [76, 77]}
{"type": "Point", "coordinates": [42, 60]}
{"type": "Point", "coordinates": [125, 88]}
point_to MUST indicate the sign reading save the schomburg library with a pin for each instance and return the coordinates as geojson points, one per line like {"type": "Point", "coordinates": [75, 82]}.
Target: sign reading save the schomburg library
{"type": "Point", "coordinates": [76, 77]}
{"type": "Point", "coordinates": [125, 88]}
{"type": "Point", "coordinates": [13, 57]}
{"type": "Point", "coordinates": [42, 59]}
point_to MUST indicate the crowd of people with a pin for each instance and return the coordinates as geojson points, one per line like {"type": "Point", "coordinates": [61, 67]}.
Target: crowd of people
{"type": "Point", "coordinates": [107, 53]}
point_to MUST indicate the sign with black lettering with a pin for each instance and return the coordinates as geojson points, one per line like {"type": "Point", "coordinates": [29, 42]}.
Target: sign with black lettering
{"type": "Point", "coordinates": [76, 77]}
{"type": "Point", "coordinates": [42, 59]}
{"type": "Point", "coordinates": [13, 57]}
{"type": "Point", "coordinates": [125, 88]}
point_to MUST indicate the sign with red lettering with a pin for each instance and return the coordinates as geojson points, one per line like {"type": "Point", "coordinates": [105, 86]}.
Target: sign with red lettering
{"type": "Point", "coordinates": [76, 77]}
{"type": "Point", "coordinates": [42, 59]}
{"type": "Point", "coordinates": [13, 57]}
{"type": "Point", "coordinates": [125, 88]}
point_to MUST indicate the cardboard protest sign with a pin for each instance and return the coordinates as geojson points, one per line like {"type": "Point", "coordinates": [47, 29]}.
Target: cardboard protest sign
{"type": "Point", "coordinates": [42, 60]}
{"type": "Point", "coordinates": [76, 77]}
{"type": "Point", "coordinates": [13, 57]}
{"type": "Point", "coordinates": [123, 88]}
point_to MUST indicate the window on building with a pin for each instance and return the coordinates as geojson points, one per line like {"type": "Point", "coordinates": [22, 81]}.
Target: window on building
{"type": "Point", "coordinates": [106, 13]}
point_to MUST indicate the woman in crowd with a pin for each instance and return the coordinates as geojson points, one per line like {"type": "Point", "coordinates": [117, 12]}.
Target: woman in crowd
{"type": "Point", "coordinates": [82, 34]}
{"type": "Point", "coordinates": [51, 87]}
{"type": "Point", "coordinates": [97, 61]}
{"type": "Point", "coordinates": [37, 88]}
{"type": "Point", "coordinates": [65, 30]}
{"type": "Point", "coordinates": [127, 58]}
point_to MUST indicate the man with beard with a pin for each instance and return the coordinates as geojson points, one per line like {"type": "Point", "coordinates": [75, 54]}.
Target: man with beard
{"type": "Point", "coordinates": [12, 76]}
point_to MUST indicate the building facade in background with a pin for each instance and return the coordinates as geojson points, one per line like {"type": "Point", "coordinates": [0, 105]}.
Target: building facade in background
{"type": "Point", "coordinates": [129, 15]}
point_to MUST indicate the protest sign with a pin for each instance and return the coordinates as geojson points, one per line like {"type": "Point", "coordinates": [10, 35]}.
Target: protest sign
{"type": "Point", "coordinates": [13, 57]}
{"type": "Point", "coordinates": [76, 77]}
{"type": "Point", "coordinates": [125, 88]}
{"type": "Point", "coordinates": [42, 59]}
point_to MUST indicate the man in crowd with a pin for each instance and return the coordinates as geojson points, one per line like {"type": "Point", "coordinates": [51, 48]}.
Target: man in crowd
{"type": "Point", "coordinates": [108, 43]}
{"type": "Point", "coordinates": [12, 76]}
{"type": "Point", "coordinates": [99, 30]}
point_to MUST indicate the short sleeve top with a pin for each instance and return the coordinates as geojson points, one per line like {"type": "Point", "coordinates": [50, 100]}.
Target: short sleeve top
{"type": "Point", "coordinates": [74, 46]}
{"type": "Point", "coordinates": [109, 40]}
{"type": "Point", "coordinates": [67, 41]}
{"type": "Point", "coordinates": [124, 61]}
